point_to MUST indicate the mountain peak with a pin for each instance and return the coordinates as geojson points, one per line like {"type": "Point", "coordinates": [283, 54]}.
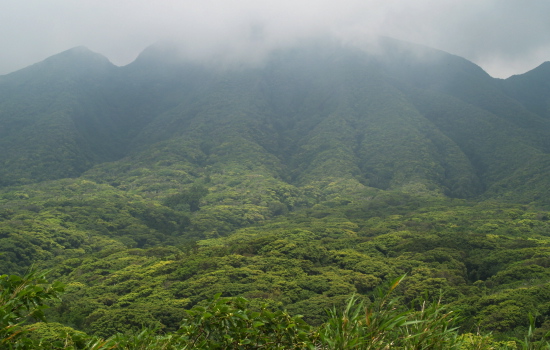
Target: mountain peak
{"type": "Point", "coordinates": [160, 53]}
{"type": "Point", "coordinates": [542, 70]}
{"type": "Point", "coordinates": [81, 49]}
{"type": "Point", "coordinates": [79, 55]}
{"type": "Point", "coordinates": [77, 60]}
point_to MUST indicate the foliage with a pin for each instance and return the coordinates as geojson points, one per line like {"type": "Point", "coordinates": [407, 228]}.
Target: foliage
{"type": "Point", "coordinates": [320, 175]}
{"type": "Point", "coordinates": [234, 323]}
{"type": "Point", "coordinates": [21, 299]}
{"type": "Point", "coordinates": [231, 324]}
{"type": "Point", "coordinates": [385, 324]}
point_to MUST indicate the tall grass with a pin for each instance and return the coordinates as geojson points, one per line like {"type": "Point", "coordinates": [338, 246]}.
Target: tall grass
{"type": "Point", "coordinates": [385, 324]}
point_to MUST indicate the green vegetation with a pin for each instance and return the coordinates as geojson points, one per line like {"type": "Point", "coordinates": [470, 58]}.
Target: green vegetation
{"type": "Point", "coordinates": [185, 206]}
{"type": "Point", "coordinates": [21, 299]}
{"type": "Point", "coordinates": [233, 323]}
{"type": "Point", "coordinates": [486, 262]}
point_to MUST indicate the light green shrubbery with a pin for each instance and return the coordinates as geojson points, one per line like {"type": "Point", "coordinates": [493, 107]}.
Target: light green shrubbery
{"type": "Point", "coordinates": [234, 323]}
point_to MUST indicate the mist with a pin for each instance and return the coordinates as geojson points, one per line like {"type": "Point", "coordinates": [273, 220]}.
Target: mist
{"type": "Point", "coordinates": [503, 37]}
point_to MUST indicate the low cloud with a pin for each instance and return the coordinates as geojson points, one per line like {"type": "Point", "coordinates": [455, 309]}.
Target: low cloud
{"type": "Point", "coordinates": [504, 37]}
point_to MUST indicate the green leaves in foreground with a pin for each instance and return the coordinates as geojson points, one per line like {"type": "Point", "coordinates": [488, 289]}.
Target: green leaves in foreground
{"type": "Point", "coordinates": [234, 323]}
{"type": "Point", "coordinates": [23, 298]}
{"type": "Point", "coordinates": [229, 323]}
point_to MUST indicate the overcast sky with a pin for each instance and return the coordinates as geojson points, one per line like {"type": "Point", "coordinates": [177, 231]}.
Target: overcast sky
{"type": "Point", "coordinates": [504, 37]}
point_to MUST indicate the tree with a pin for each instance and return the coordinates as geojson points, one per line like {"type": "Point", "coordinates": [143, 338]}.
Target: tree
{"type": "Point", "coordinates": [190, 198]}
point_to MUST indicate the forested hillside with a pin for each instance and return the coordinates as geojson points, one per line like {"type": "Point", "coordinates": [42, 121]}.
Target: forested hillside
{"type": "Point", "coordinates": [324, 171]}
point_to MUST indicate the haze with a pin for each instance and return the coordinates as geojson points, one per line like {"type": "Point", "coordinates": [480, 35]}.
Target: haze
{"type": "Point", "coordinates": [503, 37]}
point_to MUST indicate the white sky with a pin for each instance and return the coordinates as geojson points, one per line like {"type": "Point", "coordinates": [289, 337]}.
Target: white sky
{"type": "Point", "coordinates": [504, 37]}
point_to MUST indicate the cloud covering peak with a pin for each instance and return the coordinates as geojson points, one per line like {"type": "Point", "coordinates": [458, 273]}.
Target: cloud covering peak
{"type": "Point", "coordinates": [504, 37]}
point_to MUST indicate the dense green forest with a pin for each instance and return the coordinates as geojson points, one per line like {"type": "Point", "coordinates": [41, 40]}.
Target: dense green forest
{"type": "Point", "coordinates": [326, 198]}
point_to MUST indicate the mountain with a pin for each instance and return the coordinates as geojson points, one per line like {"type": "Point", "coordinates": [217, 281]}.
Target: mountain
{"type": "Point", "coordinates": [322, 171]}
{"type": "Point", "coordinates": [404, 117]}
{"type": "Point", "coordinates": [54, 118]}
{"type": "Point", "coordinates": [531, 89]}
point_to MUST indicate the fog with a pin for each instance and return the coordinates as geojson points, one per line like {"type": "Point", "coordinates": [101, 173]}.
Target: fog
{"type": "Point", "coordinates": [503, 37]}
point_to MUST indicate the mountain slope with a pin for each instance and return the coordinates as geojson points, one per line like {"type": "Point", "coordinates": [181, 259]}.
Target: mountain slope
{"type": "Point", "coordinates": [405, 117]}
{"type": "Point", "coordinates": [532, 89]}
{"type": "Point", "coordinates": [324, 112]}
{"type": "Point", "coordinates": [55, 122]}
